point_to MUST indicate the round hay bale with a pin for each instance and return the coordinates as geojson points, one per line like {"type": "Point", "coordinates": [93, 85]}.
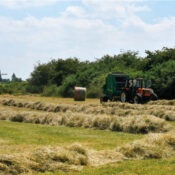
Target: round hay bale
{"type": "Point", "coordinates": [80, 94]}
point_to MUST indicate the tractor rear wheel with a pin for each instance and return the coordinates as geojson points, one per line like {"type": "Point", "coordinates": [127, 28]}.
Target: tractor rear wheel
{"type": "Point", "coordinates": [123, 97]}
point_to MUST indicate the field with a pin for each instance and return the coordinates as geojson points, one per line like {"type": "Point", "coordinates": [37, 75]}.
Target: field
{"type": "Point", "coordinates": [53, 136]}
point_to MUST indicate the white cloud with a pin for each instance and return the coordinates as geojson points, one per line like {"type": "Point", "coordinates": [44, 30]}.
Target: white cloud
{"type": "Point", "coordinates": [36, 3]}
{"type": "Point", "coordinates": [26, 3]}
{"type": "Point", "coordinates": [58, 37]}
{"type": "Point", "coordinates": [116, 9]}
{"type": "Point", "coordinates": [84, 32]}
{"type": "Point", "coordinates": [75, 11]}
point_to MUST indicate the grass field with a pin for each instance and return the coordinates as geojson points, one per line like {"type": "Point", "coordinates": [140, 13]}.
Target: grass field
{"type": "Point", "coordinates": [18, 138]}
{"type": "Point", "coordinates": [18, 134]}
{"type": "Point", "coordinates": [54, 100]}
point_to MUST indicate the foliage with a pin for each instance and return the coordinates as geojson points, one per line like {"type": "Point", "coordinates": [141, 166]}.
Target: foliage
{"type": "Point", "coordinates": [16, 79]}
{"type": "Point", "coordinates": [163, 76]}
{"type": "Point", "coordinates": [51, 91]}
{"type": "Point", "coordinates": [158, 57]}
{"type": "Point", "coordinates": [59, 77]}
{"type": "Point", "coordinates": [13, 88]}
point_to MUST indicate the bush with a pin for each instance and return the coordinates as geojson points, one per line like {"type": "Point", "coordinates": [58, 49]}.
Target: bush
{"type": "Point", "coordinates": [13, 88]}
{"type": "Point", "coordinates": [59, 77]}
{"type": "Point", "coordinates": [52, 90]}
{"type": "Point", "coordinates": [94, 92]}
{"type": "Point", "coordinates": [164, 79]}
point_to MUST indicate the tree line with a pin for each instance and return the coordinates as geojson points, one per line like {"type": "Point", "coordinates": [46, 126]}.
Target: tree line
{"type": "Point", "coordinates": [59, 77]}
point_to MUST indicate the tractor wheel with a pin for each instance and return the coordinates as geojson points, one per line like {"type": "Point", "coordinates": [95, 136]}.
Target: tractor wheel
{"type": "Point", "coordinates": [123, 97]}
{"type": "Point", "coordinates": [103, 99]}
{"type": "Point", "coordinates": [136, 100]}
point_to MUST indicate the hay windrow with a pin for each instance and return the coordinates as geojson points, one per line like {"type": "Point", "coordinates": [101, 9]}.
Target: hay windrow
{"type": "Point", "coordinates": [162, 102]}
{"type": "Point", "coordinates": [152, 146]}
{"type": "Point", "coordinates": [44, 159]}
{"type": "Point", "coordinates": [13, 164]}
{"type": "Point", "coordinates": [117, 108]}
{"type": "Point", "coordinates": [75, 157]}
{"type": "Point", "coordinates": [131, 124]}
{"type": "Point", "coordinates": [116, 116]}
{"type": "Point", "coordinates": [52, 159]}
{"type": "Point", "coordinates": [98, 158]}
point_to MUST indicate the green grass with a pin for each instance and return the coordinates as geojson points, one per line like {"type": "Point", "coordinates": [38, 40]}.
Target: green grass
{"type": "Point", "coordinates": [140, 167]}
{"type": "Point", "coordinates": [21, 136]}
{"type": "Point", "coordinates": [172, 123]}
{"type": "Point", "coordinates": [32, 134]}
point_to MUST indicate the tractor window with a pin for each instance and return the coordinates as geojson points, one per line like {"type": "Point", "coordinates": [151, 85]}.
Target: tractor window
{"type": "Point", "coordinates": [138, 84]}
{"type": "Point", "coordinates": [143, 85]}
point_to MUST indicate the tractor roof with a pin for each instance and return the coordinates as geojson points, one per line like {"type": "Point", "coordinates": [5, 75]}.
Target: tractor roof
{"type": "Point", "coordinates": [139, 78]}
{"type": "Point", "coordinates": [119, 74]}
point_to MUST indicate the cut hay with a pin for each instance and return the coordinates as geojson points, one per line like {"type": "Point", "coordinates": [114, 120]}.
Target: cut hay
{"type": "Point", "coordinates": [53, 159]}
{"type": "Point", "coordinates": [13, 164]}
{"type": "Point", "coordinates": [152, 146]}
{"type": "Point", "coordinates": [117, 108]}
{"type": "Point", "coordinates": [162, 102]}
{"type": "Point", "coordinates": [75, 157]}
{"type": "Point", "coordinates": [165, 114]}
{"type": "Point", "coordinates": [131, 124]}
{"type": "Point", "coordinates": [45, 159]}
{"type": "Point", "coordinates": [98, 158]}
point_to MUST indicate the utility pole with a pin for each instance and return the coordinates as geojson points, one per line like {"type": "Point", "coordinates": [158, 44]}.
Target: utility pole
{"type": "Point", "coordinates": [1, 74]}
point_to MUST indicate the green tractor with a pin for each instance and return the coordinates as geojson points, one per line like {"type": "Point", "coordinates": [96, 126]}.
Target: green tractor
{"type": "Point", "coordinates": [120, 87]}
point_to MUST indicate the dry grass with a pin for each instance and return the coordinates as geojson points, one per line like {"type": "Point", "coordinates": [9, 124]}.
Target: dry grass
{"type": "Point", "coordinates": [13, 164]}
{"type": "Point", "coordinates": [118, 116]}
{"type": "Point", "coordinates": [168, 115]}
{"type": "Point", "coordinates": [98, 158]}
{"type": "Point", "coordinates": [162, 102]}
{"type": "Point", "coordinates": [42, 159]}
{"type": "Point", "coordinates": [52, 159]}
{"type": "Point", "coordinates": [75, 157]}
{"type": "Point", "coordinates": [52, 100]}
{"type": "Point", "coordinates": [120, 109]}
{"type": "Point", "coordinates": [131, 124]}
{"type": "Point", "coordinates": [152, 146]}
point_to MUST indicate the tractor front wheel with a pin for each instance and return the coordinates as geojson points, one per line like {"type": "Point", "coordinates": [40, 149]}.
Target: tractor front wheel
{"type": "Point", "coordinates": [137, 100]}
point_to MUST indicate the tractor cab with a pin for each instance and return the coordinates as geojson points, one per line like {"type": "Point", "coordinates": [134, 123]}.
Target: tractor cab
{"type": "Point", "coordinates": [138, 91]}
{"type": "Point", "coordinates": [138, 83]}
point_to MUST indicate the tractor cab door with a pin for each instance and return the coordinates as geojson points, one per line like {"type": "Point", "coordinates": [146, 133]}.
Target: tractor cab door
{"type": "Point", "coordinates": [134, 86]}
{"type": "Point", "coordinates": [139, 83]}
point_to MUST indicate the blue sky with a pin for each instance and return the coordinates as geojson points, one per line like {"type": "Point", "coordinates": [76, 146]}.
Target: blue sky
{"type": "Point", "coordinates": [33, 31]}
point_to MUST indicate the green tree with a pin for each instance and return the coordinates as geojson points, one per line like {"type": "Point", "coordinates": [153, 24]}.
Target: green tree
{"type": "Point", "coordinates": [163, 77]}
{"type": "Point", "coordinates": [15, 79]}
